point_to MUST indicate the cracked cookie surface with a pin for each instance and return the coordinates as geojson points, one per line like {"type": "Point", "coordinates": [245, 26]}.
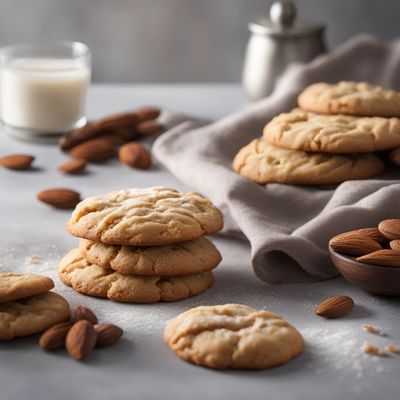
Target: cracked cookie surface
{"type": "Point", "coordinates": [15, 286]}
{"type": "Point", "coordinates": [175, 259]}
{"type": "Point", "coordinates": [233, 336]}
{"type": "Point", "coordinates": [353, 98]}
{"type": "Point", "coordinates": [93, 280]}
{"type": "Point", "coordinates": [265, 163]}
{"type": "Point", "coordinates": [145, 217]}
{"type": "Point", "coordinates": [31, 315]}
{"type": "Point", "coordinates": [307, 131]}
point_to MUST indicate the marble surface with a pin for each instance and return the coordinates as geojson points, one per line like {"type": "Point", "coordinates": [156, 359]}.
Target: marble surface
{"type": "Point", "coordinates": [33, 238]}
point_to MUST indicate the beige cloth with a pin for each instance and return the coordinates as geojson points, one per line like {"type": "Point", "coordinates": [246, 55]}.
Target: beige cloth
{"type": "Point", "coordinates": [288, 227]}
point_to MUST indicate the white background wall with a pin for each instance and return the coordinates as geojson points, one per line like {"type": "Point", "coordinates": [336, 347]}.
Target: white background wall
{"type": "Point", "coordinates": [177, 40]}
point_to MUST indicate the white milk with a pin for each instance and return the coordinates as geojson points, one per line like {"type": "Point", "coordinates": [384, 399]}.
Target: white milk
{"type": "Point", "coordinates": [46, 95]}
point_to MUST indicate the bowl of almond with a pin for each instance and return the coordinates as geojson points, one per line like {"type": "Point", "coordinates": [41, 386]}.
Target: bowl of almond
{"type": "Point", "coordinates": [370, 258]}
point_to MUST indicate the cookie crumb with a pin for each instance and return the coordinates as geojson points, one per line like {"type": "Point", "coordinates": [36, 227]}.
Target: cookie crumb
{"type": "Point", "coordinates": [33, 259]}
{"type": "Point", "coordinates": [372, 329]}
{"type": "Point", "coordinates": [369, 348]}
{"type": "Point", "coordinates": [392, 348]}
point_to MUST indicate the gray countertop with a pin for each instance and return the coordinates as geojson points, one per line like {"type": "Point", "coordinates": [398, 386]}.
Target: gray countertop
{"type": "Point", "coordinates": [33, 238]}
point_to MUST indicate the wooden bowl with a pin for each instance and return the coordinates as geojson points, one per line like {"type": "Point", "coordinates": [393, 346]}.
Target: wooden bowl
{"type": "Point", "coordinates": [369, 277]}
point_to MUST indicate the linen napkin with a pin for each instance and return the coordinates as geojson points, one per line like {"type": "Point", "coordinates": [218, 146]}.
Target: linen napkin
{"type": "Point", "coordinates": [288, 226]}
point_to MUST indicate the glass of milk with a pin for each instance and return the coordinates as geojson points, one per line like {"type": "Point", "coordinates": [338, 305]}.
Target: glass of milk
{"type": "Point", "coordinates": [43, 88]}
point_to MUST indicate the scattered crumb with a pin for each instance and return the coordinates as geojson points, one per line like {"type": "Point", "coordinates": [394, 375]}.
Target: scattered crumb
{"type": "Point", "coordinates": [392, 348]}
{"type": "Point", "coordinates": [369, 348]}
{"type": "Point", "coordinates": [372, 329]}
{"type": "Point", "coordinates": [33, 259]}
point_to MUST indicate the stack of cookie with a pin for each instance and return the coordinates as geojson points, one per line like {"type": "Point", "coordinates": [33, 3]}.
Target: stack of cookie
{"type": "Point", "coordinates": [331, 138]}
{"type": "Point", "coordinates": [142, 245]}
{"type": "Point", "coordinates": [27, 306]}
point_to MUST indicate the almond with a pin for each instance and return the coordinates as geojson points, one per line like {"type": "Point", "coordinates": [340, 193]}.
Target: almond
{"type": "Point", "coordinates": [390, 228]}
{"type": "Point", "coordinates": [60, 197]}
{"type": "Point", "coordinates": [353, 245]}
{"type": "Point", "coordinates": [395, 155]}
{"type": "Point", "coordinates": [94, 150]}
{"type": "Point", "coordinates": [147, 113]}
{"type": "Point", "coordinates": [107, 334]}
{"type": "Point", "coordinates": [81, 339]}
{"type": "Point", "coordinates": [85, 313]}
{"type": "Point", "coordinates": [17, 161]}
{"type": "Point", "coordinates": [148, 128]}
{"type": "Point", "coordinates": [73, 166]}
{"type": "Point", "coordinates": [386, 257]}
{"type": "Point", "coordinates": [395, 245]}
{"type": "Point", "coordinates": [335, 306]}
{"type": "Point", "coordinates": [135, 155]}
{"type": "Point", "coordinates": [54, 337]}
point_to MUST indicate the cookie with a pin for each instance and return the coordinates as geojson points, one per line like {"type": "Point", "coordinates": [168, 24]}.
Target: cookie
{"type": "Point", "coordinates": [233, 336]}
{"type": "Point", "coordinates": [145, 217]}
{"type": "Point", "coordinates": [353, 98]}
{"type": "Point", "coordinates": [15, 286]}
{"type": "Point", "coordinates": [31, 315]}
{"type": "Point", "coordinates": [307, 131]}
{"type": "Point", "coordinates": [92, 280]}
{"type": "Point", "coordinates": [265, 163]}
{"type": "Point", "coordinates": [174, 259]}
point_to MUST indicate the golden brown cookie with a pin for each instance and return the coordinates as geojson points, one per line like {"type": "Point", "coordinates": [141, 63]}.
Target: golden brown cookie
{"type": "Point", "coordinates": [307, 131]}
{"type": "Point", "coordinates": [31, 315]}
{"type": "Point", "coordinates": [15, 286]}
{"type": "Point", "coordinates": [175, 259]}
{"type": "Point", "coordinates": [145, 217]}
{"type": "Point", "coordinates": [92, 280]}
{"type": "Point", "coordinates": [265, 163]}
{"type": "Point", "coordinates": [353, 98]}
{"type": "Point", "coordinates": [233, 336]}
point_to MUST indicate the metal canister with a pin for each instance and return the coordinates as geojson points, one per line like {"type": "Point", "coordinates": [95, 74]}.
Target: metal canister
{"type": "Point", "coordinates": [275, 43]}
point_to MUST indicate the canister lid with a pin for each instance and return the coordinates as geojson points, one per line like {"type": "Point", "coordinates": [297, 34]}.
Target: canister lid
{"type": "Point", "coordinates": [282, 22]}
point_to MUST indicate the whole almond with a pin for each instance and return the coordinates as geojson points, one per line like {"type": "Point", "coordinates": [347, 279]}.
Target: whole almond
{"type": "Point", "coordinates": [386, 257]}
{"type": "Point", "coordinates": [135, 155]}
{"type": "Point", "coordinates": [147, 113]}
{"type": "Point", "coordinates": [74, 166]}
{"type": "Point", "coordinates": [395, 245]}
{"type": "Point", "coordinates": [17, 161]}
{"type": "Point", "coordinates": [54, 337]}
{"type": "Point", "coordinates": [85, 313]}
{"type": "Point", "coordinates": [353, 245]}
{"type": "Point", "coordinates": [60, 197]}
{"type": "Point", "coordinates": [390, 228]}
{"type": "Point", "coordinates": [81, 339]}
{"type": "Point", "coordinates": [395, 155]}
{"type": "Point", "coordinates": [148, 128]}
{"type": "Point", "coordinates": [335, 306]}
{"type": "Point", "coordinates": [107, 334]}
{"type": "Point", "coordinates": [94, 150]}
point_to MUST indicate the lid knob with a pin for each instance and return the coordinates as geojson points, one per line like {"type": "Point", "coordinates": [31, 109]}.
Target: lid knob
{"type": "Point", "coordinates": [283, 13]}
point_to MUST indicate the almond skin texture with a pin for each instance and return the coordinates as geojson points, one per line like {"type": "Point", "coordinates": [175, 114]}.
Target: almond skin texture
{"type": "Point", "coordinates": [147, 113]}
{"type": "Point", "coordinates": [395, 245]}
{"type": "Point", "coordinates": [386, 257]}
{"type": "Point", "coordinates": [81, 339]}
{"type": "Point", "coordinates": [54, 337]}
{"type": "Point", "coordinates": [60, 198]}
{"type": "Point", "coordinates": [17, 161]}
{"type": "Point", "coordinates": [107, 334]}
{"type": "Point", "coordinates": [390, 228]}
{"type": "Point", "coordinates": [334, 307]}
{"type": "Point", "coordinates": [74, 166]}
{"type": "Point", "coordinates": [353, 245]}
{"type": "Point", "coordinates": [94, 150]}
{"type": "Point", "coordinates": [395, 156]}
{"type": "Point", "coordinates": [85, 313]}
{"type": "Point", "coordinates": [148, 128]}
{"type": "Point", "coordinates": [135, 155]}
